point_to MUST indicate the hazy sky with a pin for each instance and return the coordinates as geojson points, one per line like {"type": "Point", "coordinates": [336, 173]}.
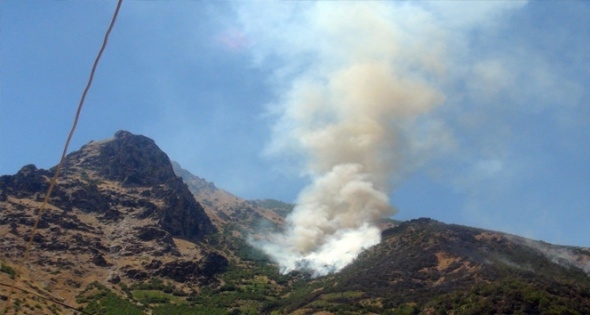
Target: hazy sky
{"type": "Point", "coordinates": [506, 148]}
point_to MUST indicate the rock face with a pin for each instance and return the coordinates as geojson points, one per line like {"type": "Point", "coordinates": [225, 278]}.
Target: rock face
{"type": "Point", "coordinates": [187, 270]}
{"type": "Point", "coordinates": [117, 203]}
{"type": "Point", "coordinates": [29, 180]}
{"type": "Point", "coordinates": [136, 163]}
{"type": "Point", "coordinates": [133, 160]}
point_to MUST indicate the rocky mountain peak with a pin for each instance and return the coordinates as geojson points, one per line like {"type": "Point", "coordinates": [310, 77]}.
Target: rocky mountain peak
{"type": "Point", "coordinates": [133, 160]}
{"type": "Point", "coordinates": [117, 211]}
{"type": "Point", "coordinates": [127, 176]}
{"type": "Point", "coordinates": [141, 168]}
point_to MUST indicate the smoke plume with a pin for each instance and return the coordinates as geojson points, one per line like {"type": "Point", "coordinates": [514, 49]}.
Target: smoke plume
{"type": "Point", "coordinates": [355, 79]}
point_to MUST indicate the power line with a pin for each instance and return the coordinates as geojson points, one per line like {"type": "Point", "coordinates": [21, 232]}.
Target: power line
{"type": "Point", "coordinates": [51, 299]}
{"type": "Point", "coordinates": [61, 162]}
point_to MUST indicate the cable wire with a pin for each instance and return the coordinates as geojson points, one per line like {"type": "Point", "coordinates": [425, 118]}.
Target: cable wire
{"type": "Point", "coordinates": [50, 299]}
{"type": "Point", "coordinates": [61, 161]}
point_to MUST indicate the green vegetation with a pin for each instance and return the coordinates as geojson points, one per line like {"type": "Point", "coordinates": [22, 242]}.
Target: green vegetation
{"type": "Point", "coordinates": [514, 296]}
{"type": "Point", "coordinates": [101, 300]}
{"type": "Point", "coordinates": [342, 295]}
{"type": "Point", "coordinates": [8, 270]}
{"type": "Point", "coordinates": [185, 309]}
{"type": "Point", "coordinates": [247, 252]}
{"type": "Point", "coordinates": [147, 297]}
{"type": "Point", "coordinates": [246, 290]}
{"type": "Point", "coordinates": [153, 284]}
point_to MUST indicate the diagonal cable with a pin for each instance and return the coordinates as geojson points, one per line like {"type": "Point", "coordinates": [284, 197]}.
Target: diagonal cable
{"type": "Point", "coordinates": [61, 162]}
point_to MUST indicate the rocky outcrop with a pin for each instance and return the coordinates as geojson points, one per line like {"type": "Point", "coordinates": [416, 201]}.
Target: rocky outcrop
{"type": "Point", "coordinates": [27, 182]}
{"type": "Point", "coordinates": [134, 160]}
{"type": "Point", "coordinates": [189, 270]}
{"type": "Point", "coordinates": [181, 215]}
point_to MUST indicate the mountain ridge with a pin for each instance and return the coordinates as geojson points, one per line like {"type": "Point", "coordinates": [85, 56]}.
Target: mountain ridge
{"type": "Point", "coordinates": [129, 232]}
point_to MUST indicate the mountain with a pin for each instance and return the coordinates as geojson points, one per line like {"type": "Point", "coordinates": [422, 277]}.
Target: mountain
{"type": "Point", "coordinates": [231, 213]}
{"type": "Point", "coordinates": [118, 212]}
{"type": "Point", "coordinates": [428, 267]}
{"type": "Point", "coordinates": [130, 232]}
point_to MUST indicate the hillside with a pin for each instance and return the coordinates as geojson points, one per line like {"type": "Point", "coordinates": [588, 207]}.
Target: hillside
{"type": "Point", "coordinates": [130, 232]}
{"type": "Point", "coordinates": [425, 266]}
{"type": "Point", "coordinates": [231, 213]}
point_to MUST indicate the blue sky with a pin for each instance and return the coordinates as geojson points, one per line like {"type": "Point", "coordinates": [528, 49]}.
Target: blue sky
{"type": "Point", "coordinates": [507, 148]}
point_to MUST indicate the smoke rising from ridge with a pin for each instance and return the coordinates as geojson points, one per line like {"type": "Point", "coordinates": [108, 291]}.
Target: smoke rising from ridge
{"type": "Point", "coordinates": [356, 78]}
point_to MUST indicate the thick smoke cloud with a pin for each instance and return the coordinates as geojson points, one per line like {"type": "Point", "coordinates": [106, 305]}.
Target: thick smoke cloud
{"type": "Point", "coordinates": [356, 83]}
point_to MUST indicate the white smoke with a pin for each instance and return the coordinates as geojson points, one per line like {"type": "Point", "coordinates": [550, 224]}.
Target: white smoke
{"type": "Point", "coordinates": [356, 80]}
